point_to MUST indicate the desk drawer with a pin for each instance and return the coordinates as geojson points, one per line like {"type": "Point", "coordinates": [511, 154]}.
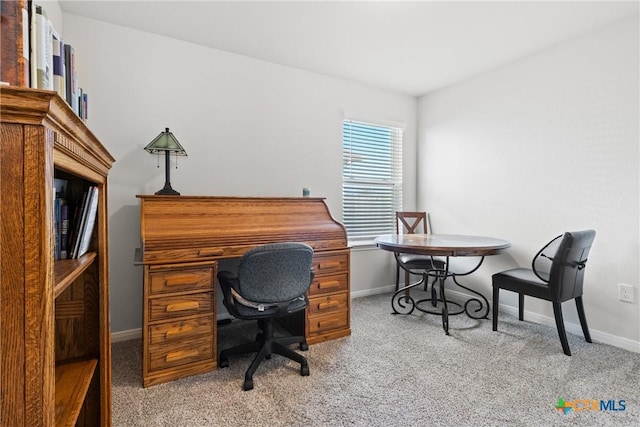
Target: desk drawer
{"type": "Point", "coordinates": [162, 357]}
{"type": "Point", "coordinates": [328, 304]}
{"type": "Point", "coordinates": [181, 280]}
{"type": "Point", "coordinates": [328, 284]}
{"type": "Point", "coordinates": [321, 324]}
{"type": "Point", "coordinates": [188, 328]}
{"type": "Point", "coordinates": [330, 263]}
{"type": "Point", "coordinates": [184, 305]}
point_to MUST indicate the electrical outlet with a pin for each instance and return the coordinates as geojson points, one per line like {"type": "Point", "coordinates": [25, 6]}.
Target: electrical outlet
{"type": "Point", "coordinates": [625, 292]}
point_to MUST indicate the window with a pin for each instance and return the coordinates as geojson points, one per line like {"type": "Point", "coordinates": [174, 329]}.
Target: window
{"type": "Point", "coordinates": [371, 179]}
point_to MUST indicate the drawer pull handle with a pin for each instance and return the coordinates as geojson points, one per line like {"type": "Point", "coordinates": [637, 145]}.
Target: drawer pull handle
{"type": "Point", "coordinates": [332, 322]}
{"type": "Point", "coordinates": [328, 304]}
{"type": "Point", "coordinates": [182, 280]}
{"type": "Point", "coordinates": [181, 306]}
{"type": "Point", "coordinates": [328, 284]}
{"type": "Point", "coordinates": [177, 331]}
{"type": "Point", "coordinates": [328, 265]}
{"type": "Point", "coordinates": [179, 355]}
{"type": "Point", "coordinates": [211, 252]}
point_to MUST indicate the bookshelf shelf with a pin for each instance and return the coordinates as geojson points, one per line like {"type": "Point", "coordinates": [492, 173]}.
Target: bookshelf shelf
{"type": "Point", "coordinates": [72, 384]}
{"type": "Point", "coordinates": [66, 271]}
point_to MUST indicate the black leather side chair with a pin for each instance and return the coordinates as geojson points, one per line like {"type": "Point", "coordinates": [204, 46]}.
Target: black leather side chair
{"type": "Point", "coordinates": [272, 282]}
{"type": "Point", "coordinates": [567, 255]}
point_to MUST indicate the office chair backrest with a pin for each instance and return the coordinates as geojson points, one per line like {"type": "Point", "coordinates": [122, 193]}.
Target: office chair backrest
{"type": "Point", "coordinates": [567, 269]}
{"type": "Point", "coordinates": [276, 272]}
{"type": "Point", "coordinates": [412, 222]}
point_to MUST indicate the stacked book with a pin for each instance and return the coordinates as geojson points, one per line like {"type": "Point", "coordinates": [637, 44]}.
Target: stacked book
{"type": "Point", "coordinates": [73, 223]}
{"type": "Point", "coordinates": [35, 55]}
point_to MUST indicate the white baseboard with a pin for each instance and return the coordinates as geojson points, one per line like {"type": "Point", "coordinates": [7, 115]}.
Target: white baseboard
{"type": "Point", "coordinates": [375, 291]}
{"type": "Point", "coordinates": [575, 329]}
{"type": "Point", "coordinates": [131, 334]}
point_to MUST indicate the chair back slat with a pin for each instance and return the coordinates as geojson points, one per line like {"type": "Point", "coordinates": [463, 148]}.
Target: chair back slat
{"type": "Point", "coordinates": [412, 223]}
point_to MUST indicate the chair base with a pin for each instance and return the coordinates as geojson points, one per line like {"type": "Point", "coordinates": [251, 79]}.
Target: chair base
{"type": "Point", "coordinates": [265, 345]}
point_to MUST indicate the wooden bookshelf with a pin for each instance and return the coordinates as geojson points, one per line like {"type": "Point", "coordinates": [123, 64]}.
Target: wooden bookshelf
{"type": "Point", "coordinates": [55, 357]}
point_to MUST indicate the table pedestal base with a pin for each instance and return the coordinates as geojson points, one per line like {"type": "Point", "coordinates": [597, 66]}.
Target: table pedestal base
{"type": "Point", "coordinates": [475, 307]}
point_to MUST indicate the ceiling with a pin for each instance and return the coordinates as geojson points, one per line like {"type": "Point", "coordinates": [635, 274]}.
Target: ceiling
{"type": "Point", "coordinates": [412, 47]}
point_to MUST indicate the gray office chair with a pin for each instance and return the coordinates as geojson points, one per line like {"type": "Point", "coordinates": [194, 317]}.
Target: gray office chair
{"type": "Point", "coordinates": [560, 280]}
{"type": "Point", "coordinates": [272, 282]}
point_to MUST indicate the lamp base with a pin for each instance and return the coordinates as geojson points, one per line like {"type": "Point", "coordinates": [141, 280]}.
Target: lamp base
{"type": "Point", "coordinates": [167, 191]}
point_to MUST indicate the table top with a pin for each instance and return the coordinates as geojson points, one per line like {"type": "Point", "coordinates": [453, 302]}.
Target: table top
{"type": "Point", "coordinates": [442, 244]}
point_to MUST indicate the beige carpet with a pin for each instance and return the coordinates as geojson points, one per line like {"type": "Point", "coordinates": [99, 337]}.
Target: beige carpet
{"type": "Point", "coordinates": [395, 370]}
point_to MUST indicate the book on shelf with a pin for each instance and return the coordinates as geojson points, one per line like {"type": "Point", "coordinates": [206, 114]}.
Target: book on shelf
{"type": "Point", "coordinates": [70, 71]}
{"type": "Point", "coordinates": [61, 224]}
{"type": "Point", "coordinates": [83, 109]}
{"type": "Point", "coordinates": [86, 223]}
{"type": "Point", "coordinates": [58, 64]}
{"type": "Point", "coordinates": [75, 223]}
{"type": "Point", "coordinates": [33, 48]}
{"type": "Point", "coordinates": [64, 229]}
{"type": "Point", "coordinates": [14, 39]}
{"type": "Point", "coordinates": [59, 216]}
{"type": "Point", "coordinates": [56, 228]}
{"type": "Point", "coordinates": [90, 223]}
{"type": "Point", "coordinates": [44, 54]}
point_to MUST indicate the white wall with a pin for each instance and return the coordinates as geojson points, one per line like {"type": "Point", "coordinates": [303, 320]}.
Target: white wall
{"type": "Point", "coordinates": [250, 128]}
{"type": "Point", "coordinates": [538, 147]}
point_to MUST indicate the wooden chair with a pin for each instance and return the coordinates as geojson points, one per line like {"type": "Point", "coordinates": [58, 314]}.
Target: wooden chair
{"type": "Point", "coordinates": [412, 223]}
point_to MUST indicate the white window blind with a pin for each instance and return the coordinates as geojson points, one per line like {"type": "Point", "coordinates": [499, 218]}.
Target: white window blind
{"type": "Point", "coordinates": [371, 179]}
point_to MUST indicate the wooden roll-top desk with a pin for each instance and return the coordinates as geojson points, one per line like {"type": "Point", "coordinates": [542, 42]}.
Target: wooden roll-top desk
{"type": "Point", "coordinates": [182, 239]}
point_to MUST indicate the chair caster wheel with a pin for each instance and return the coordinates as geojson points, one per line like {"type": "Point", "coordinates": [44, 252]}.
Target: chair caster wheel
{"type": "Point", "coordinates": [304, 371]}
{"type": "Point", "coordinates": [248, 385]}
{"type": "Point", "coordinates": [304, 346]}
{"type": "Point", "coordinates": [223, 363]}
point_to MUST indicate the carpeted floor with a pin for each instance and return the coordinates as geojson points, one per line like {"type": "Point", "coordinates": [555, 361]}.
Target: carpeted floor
{"type": "Point", "coordinates": [395, 370]}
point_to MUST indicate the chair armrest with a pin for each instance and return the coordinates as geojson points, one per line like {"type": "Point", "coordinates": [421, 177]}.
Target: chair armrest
{"type": "Point", "coordinates": [227, 281]}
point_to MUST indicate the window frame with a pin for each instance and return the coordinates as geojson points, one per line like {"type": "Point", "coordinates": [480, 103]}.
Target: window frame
{"type": "Point", "coordinates": [390, 179]}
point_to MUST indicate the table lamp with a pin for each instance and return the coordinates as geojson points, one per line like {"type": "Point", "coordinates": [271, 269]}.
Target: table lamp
{"type": "Point", "coordinates": [167, 143]}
